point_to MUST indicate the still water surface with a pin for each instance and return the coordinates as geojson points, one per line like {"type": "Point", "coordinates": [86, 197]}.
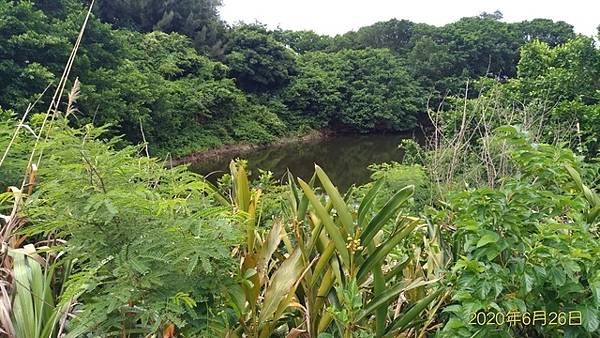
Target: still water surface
{"type": "Point", "coordinates": [344, 158]}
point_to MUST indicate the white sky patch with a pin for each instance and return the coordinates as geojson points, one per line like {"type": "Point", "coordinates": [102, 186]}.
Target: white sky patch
{"type": "Point", "coordinates": [339, 16]}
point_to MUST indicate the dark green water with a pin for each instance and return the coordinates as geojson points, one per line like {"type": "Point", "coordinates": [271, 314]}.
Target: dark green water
{"type": "Point", "coordinates": [345, 158]}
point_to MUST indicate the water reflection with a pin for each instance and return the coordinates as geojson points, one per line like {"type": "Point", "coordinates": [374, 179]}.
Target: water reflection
{"type": "Point", "coordinates": [345, 158]}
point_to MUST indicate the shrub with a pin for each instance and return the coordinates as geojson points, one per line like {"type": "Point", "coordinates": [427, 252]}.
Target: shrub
{"type": "Point", "coordinates": [149, 246]}
{"type": "Point", "coordinates": [524, 247]}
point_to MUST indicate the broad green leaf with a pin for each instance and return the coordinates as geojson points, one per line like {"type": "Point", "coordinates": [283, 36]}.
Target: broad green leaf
{"type": "Point", "coordinates": [489, 237]}
{"type": "Point", "coordinates": [592, 198]}
{"type": "Point", "coordinates": [237, 299]}
{"type": "Point", "coordinates": [529, 281]}
{"type": "Point", "coordinates": [590, 318]}
{"type": "Point", "coordinates": [595, 286]}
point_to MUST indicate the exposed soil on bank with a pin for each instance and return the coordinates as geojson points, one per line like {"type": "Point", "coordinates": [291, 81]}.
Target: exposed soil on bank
{"type": "Point", "coordinates": [239, 149]}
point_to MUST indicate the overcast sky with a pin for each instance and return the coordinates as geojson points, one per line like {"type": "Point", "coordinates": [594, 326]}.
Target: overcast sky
{"type": "Point", "coordinates": [339, 16]}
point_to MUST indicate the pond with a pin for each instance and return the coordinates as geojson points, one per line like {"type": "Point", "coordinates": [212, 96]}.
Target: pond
{"type": "Point", "coordinates": [345, 158]}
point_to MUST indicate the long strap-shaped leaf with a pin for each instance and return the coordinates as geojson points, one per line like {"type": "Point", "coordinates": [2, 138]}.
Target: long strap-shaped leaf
{"type": "Point", "coordinates": [23, 308]}
{"type": "Point", "coordinates": [338, 202]}
{"type": "Point", "coordinates": [34, 313]}
{"type": "Point", "coordinates": [378, 290]}
{"type": "Point", "coordinates": [240, 185]}
{"type": "Point", "coordinates": [317, 229]}
{"type": "Point", "coordinates": [303, 204]}
{"type": "Point", "coordinates": [267, 249]}
{"type": "Point", "coordinates": [322, 263]}
{"type": "Point", "coordinates": [322, 293]}
{"type": "Point", "coordinates": [282, 282]}
{"type": "Point", "coordinates": [408, 317]}
{"type": "Point", "coordinates": [391, 294]}
{"type": "Point", "coordinates": [387, 212]}
{"type": "Point", "coordinates": [328, 223]}
{"type": "Point", "coordinates": [382, 251]}
{"type": "Point", "coordinates": [367, 203]}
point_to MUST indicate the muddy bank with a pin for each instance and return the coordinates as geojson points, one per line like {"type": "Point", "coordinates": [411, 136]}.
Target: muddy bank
{"type": "Point", "coordinates": [239, 149]}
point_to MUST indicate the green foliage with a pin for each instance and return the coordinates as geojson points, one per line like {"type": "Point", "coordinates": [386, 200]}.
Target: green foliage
{"type": "Point", "coordinates": [483, 45]}
{"type": "Point", "coordinates": [331, 264]}
{"type": "Point", "coordinates": [315, 94]}
{"type": "Point", "coordinates": [560, 73]}
{"type": "Point", "coordinates": [30, 51]}
{"type": "Point", "coordinates": [505, 220]}
{"type": "Point", "coordinates": [197, 19]}
{"type": "Point", "coordinates": [257, 60]}
{"type": "Point", "coordinates": [303, 41]}
{"type": "Point", "coordinates": [524, 246]}
{"type": "Point", "coordinates": [442, 58]}
{"type": "Point", "coordinates": [431, 63]}
{"type": "Point", "coordinates": [362, 90]}
{"type": "Point", "coordinates": [394, 34]}
{"type": "Point", "coordinates": [565, 78]}
{"type": "Point", "coordinates": [396, 176]}
{"type": "Point", "coordinates": [179, 98]}
{"type": "Point", "coordinates": [545, 30]}
{"type": "Point", "coordinates": [15, 161]}
{"type": "Point", "coordinates": [185, 102]}
{"type": "Point", "coordinates": [350, 305]}
{"type": "Point", "coordinates": [150, 245]}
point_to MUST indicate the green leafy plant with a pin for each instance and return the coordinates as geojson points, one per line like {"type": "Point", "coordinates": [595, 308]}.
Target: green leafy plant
{"type": "Point", "coordinates": [34, 311]}
{"type": "Point", "coordinates": [335, 258]}
{"type": "Point", "coordinates": [528, 245]}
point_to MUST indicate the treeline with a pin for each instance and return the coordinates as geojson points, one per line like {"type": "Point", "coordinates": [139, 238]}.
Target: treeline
{"type": "Point", "coordinates": [492, 214]}
{"type": "Point", "coordinates": [176, 71]}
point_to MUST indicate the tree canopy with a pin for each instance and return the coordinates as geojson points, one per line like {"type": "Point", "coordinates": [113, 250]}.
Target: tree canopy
{"type": "Point", "coordinates": [257, 60]}
{"type": "Point", "coordinates": [175, 70]}
{"type": "Point", "coordinates": [197, 19]}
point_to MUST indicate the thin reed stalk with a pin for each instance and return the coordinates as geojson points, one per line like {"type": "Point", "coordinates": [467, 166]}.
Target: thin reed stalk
{"type": "Point", "coordinates": [21, 123]}
{"type": "Point", "coordinates": [8, 287]}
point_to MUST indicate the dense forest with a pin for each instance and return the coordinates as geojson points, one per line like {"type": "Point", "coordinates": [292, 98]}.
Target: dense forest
{"type": "Point", "coordinates": [488, 228]}
{"type": "Point", "coordinates": [194, 83]}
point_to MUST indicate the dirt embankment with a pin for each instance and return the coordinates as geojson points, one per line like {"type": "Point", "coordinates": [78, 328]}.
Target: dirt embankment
{"type": "Point", "coordinates": [239, 149]}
